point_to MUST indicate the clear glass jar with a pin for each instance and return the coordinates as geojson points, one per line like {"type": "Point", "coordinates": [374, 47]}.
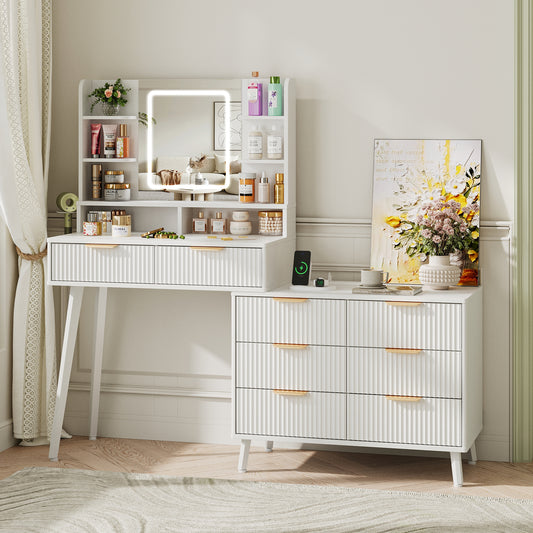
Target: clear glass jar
{"type": "Point", "coordinates": [270, 223]}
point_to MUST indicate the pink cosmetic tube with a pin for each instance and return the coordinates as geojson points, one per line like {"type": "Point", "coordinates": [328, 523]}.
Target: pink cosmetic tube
{"type": "Point", "coordinates": [95, 140]}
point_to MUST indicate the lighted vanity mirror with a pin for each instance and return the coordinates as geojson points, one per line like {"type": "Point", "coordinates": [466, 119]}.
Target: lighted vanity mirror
{"type": "Point", "coordinates": [194, 145]}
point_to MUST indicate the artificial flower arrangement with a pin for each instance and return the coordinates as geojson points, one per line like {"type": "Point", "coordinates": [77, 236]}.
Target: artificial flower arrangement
{"type": "Point", "coordinates": [112, 94]}
{"type": "Point", "coordinates": [440, 219]}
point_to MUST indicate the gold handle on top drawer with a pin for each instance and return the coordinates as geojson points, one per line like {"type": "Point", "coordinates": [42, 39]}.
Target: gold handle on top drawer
{"type": "Point", "coordinates": [207, 248]}
{"type": "Point", "coordinates": [101, 245]}
{"type": "Point", "coordinates": [290, 300]}
{"type": "Point", "coordinates": [404, 304]}
{"type": "Point", "coordinates": [286, 392]}
{"type": "Point", "coordinates": [290, 346]}
{"type": "Point", "coordinates": [403, 350]}
{"type": "Point", "coordinates": [404, 398]}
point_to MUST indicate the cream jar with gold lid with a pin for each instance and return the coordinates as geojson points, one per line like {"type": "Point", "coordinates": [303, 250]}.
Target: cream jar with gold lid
{"type": "Point", "coordinates": [117, 192]}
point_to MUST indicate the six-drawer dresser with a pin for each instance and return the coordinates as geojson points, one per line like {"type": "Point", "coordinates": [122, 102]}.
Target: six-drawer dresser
{"type": "Point", "coordinates": [327, 366]}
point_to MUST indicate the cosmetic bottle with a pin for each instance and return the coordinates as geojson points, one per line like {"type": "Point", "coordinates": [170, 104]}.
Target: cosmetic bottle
{"type": "Point", "coordinates": [255, 96]}
{"type": "Point", "coordinates": [240, 225]}
{"type": "Point", "coordinates": [95, 140]}
{"type": "Point", "coordinates": [199, 224]}
{"type": "Point", "coordinates": [247, 187]}
{"type": "Point", "coordinates": [275, 143]}
{"type": "Point", "coordinates": [255, 143]}
{"type": "Point", "coordinates": [110, 140]}
{"type": "Point", "coordinates": [275, 97]}
{"type": "Point", "coordinates": [279, 189]}
{"type": "Point", "coordinates": [123, 141]}
{"type": "Point", "coordinates": [263, 190]}
{"type": "Point", "coordinates": [96, 177]}
{"type": "Point", "coordinates": [218, 224]}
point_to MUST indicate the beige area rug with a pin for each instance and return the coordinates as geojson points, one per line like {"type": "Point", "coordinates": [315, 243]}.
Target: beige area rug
{"type": "Point", "coordinates": [43, 500]}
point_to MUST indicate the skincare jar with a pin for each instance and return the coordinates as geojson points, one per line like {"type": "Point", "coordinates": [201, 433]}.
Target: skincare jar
{"type": "Point", "coordinates": [240, 216]}
{"type": "Point", "coordinates": [121, 226]}
{"type": "Point", "coordinates": [117, 192]}
{"type": "Point", "coordinates": [114, 176]}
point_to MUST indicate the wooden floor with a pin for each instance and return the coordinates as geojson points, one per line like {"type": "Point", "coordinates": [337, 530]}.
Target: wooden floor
{"type": "Point", "coordinates": [343, 469]}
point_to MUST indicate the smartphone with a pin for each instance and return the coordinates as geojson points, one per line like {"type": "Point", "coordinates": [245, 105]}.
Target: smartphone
{"type": "Point", "coordinates": [301, 268]}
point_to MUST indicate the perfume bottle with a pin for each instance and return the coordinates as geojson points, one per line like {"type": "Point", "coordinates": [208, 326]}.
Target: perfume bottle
{"type": "Point", "coordinates": [199, 224]}
{"type": "Point", "coordinates": [218, 224]}
{"type": "Point", "coordinates": [123, 142]}
{"type": "Point", "coordinates": [279, 189]}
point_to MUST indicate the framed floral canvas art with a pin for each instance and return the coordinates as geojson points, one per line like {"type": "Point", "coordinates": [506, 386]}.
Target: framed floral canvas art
{"type": "Point", "coordinates": [426, 202]}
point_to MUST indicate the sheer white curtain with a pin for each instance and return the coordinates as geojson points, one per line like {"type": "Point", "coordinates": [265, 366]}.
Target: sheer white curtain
{"type": "Point", "coordinates": [25, 68]}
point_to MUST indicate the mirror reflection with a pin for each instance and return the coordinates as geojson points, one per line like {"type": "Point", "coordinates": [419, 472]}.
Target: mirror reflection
{"type": "Point", "coordinates": [189, 135]}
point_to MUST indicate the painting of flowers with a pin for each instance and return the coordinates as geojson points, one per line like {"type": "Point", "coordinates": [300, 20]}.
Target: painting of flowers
{"type": "Point", "coordinates": [426, 202]}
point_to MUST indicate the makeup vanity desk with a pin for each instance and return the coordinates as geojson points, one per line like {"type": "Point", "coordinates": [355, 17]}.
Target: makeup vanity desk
{"type": "Point", "coordinates": [325, 366]}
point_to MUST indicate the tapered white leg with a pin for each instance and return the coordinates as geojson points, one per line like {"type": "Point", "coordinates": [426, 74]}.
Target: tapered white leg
{"type": "Point", "coordinates": [457, 469]}
{"type": "Point", "coordinates": [67, 352]}
{"type": "Point", "coordinates": [269, 445]}
{"type": "Point", "coordinates": [96, 376]}
{"type": "Point", "coordinates": [243, 455]}
{"type": "Point", "coordinates": [473, 454]}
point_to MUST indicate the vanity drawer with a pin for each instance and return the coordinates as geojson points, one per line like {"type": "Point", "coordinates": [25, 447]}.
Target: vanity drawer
{"type": "Point", "coordinates": [290, 320]}
{"type": "Point", "coordinates": [404, 372]}
{"type": "Point", "coordinates": [101, 263]}
{"type": "Point", "coordinates": [395, 324]}
{"type": "Point", "coordinates": [209, 266]}
{"type": "Point", "coordinates": [314, 415]}
{"type": "Point", "coordinates": [431, 421]}
{"type": "Point", "coordinates": [291, 366]}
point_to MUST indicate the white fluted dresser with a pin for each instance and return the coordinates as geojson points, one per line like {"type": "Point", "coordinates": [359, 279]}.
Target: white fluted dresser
{"type": "Point", "coordinates": [327, 366]}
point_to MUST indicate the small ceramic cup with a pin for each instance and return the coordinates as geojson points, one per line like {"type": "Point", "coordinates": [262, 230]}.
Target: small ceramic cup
{"type": "Point", "coordinates": [373, 278]}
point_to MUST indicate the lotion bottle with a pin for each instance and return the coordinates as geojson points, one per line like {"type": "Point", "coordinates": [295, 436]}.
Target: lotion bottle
{"type": "Point", "coordinates": [275, 143]}
{"type": "Point", "coordinates": [275, 97]}
{"type": "Point", "coordinates": [255, 96]}
{"type": "Point", "coordinates": [255, 143]}
{"type": "Point", "coordinates": [263, 190]}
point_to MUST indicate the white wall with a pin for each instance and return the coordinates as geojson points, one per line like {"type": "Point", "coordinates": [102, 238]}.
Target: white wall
{"type": "Point", "coordinates": [364, 69]}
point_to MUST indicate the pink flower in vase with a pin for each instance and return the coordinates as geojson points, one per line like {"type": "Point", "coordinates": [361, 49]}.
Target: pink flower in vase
{"type": "Point", "coordinates": [108, 93]}
{"type": "Point", "coordinates": [118, 94]}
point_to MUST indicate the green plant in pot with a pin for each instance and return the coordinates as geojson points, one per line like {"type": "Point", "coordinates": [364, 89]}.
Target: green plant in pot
{"type": "Point", "coordinates": [111, 96]}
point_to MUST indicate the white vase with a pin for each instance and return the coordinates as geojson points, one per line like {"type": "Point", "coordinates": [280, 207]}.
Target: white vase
{"type": "Point", "coordinates": [438, 273]}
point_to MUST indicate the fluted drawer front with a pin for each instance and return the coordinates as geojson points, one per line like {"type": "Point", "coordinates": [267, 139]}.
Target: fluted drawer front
{"type": "Point", "coordinates": [121, 264]}
{"type": "Point", "coordinates": [411, 373]}
{"type": "Point", "coordinates": [210, 266]}
{"type": "Point", "coordinates": [431, 421]}
{"type": "Point", "coordinates": [291, 320]}
{"type": "Point", "coordinates": [269, 366]}
{"type": "Point", "coordinates": [314, 415]}
{"type": "Point", "coordinates": [429, 326]}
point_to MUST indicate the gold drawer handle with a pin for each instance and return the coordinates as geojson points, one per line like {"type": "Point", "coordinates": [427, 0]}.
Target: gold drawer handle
{"type": "Point", "coordinates": [404, 398]}
{"type": "Point", "coordinates": [404, 304]}
{"type": "Point", "coordinates": [403, 350]}
{"type": "Point", "coordinates": [207, 248]}
{"type": "Point", "coordinates": [101, 245]}
{"type": "Point", "coordinates": [285, 392]}
{"type": "Point", "coordinates": [290, 300]}
{"type": "Point", "coordinates": [290, 346]}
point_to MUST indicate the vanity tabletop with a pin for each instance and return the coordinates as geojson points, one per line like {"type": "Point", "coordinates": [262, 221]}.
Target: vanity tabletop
{"type": "Point", "coordinates": [342, 290]}
{"type": "Point", "coordinates": [191, 239]}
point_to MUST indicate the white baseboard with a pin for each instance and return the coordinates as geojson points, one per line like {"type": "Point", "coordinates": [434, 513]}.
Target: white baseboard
{"type": "Point", "coordinates": [6, 435]}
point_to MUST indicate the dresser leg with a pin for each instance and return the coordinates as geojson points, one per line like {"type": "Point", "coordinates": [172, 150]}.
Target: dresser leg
{"type": "Point", "coordinates": [473, 454]}
{"type": "Point", "coordinates": [243, 456]}
{"type": "Point", "coordinates": [269, 445]}
{"type": "Point", "coordinates": [96, 375]}
{"type": "Point", "coordinates": [457, 469]}
{"type": "Point", "coordinates": [67, 352]}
